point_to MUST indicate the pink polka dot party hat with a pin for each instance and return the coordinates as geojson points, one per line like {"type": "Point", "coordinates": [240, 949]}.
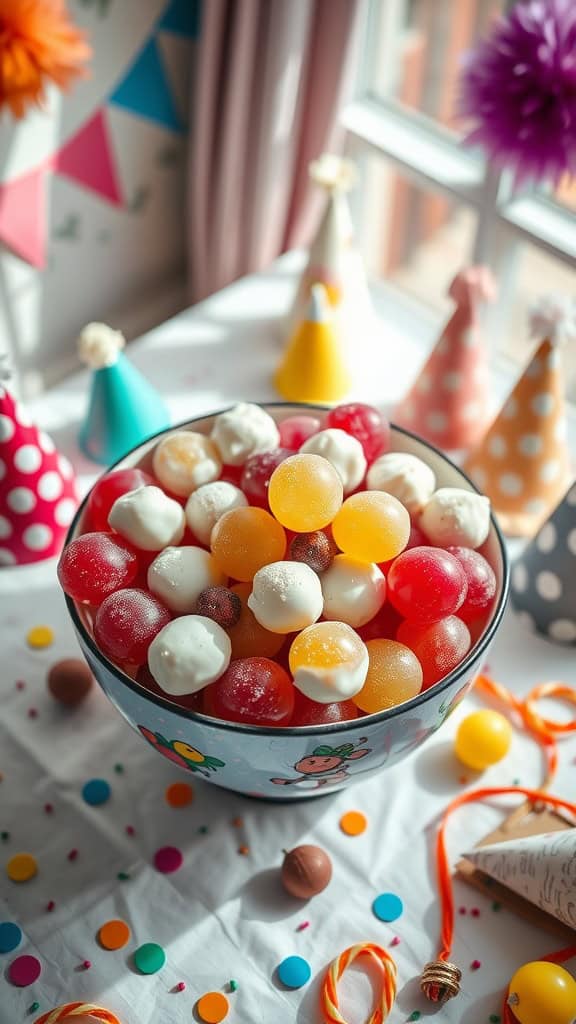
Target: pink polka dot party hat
{"type": "Point", "coordinates": [38, 496]}
{"type": "Point", "coordinates": [448, 402]}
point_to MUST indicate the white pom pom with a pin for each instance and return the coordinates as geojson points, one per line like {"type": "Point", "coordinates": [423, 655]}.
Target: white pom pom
{"type": "Point", "coordinates": [554, 317]}
{"type": "Point", "coordinates": [99, 345]}
{"type": "Point", "coordinates": [333, 173]}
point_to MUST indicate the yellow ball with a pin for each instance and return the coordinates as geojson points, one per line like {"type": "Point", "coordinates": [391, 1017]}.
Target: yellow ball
{"type": "Point", "coordinates": [483, 738]}
{"type": "Point", "coordinates": [372, 526]}
{"type": "Point", "coordinates": [394, 675]}
{"type": "Point", "coordinates": [305, 493]}
{"type": "Point", "coordinates": [543, 993]}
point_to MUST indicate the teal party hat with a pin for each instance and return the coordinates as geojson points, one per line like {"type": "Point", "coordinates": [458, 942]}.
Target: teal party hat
{"type": "Point", "coordinates": [124, 409]}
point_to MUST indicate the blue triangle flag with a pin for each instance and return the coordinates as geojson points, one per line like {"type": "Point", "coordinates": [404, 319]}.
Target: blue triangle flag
{"type": "Point", "coordinates": [182, 17]}
{"type": "Point", "coordinates": [145, 90]}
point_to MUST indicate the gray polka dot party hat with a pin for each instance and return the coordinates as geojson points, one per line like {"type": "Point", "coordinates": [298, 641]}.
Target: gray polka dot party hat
{"type": "Point", "coordinates": [543, 587]}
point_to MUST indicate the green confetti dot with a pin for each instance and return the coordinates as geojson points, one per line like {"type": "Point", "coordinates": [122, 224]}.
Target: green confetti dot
{"type": "Point", "coordinates": [34, 1008]}
{"type": "Point", "coordinates": [515, 782]}
{"type": "Point", "coordinates": [122, 876]}
{"type": "Point", "coordinates": [118, 768]}
{"type": "Point", "coordinates": [415, 1015]}
{"type": "Point", "coordinates": [233, 985]}
{"type": "Point", "coordinates": [203, 830]}
{"type": "Point", "coordinates": [496, 907]}
{"type": "Point", "coordinates": [494, 1018]}
{"type": "Point", "coordinates": [150, 958]}
{"type": "Point", "coordinates": [4, 836]}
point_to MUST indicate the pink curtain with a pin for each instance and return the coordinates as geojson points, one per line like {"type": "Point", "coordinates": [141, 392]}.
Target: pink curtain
{"type": "Point", "coordinates": [268, 82]}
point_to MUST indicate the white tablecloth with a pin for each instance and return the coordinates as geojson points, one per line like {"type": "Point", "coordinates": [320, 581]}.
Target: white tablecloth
{"type": "Point", "coordinates": [224, 915]}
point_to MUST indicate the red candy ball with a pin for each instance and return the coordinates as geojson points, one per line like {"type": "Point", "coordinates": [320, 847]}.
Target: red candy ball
{"type": "Point", "coordinates": [426, 584]}
{"type": "Point", "coordinates": [439, 647]}
{"type": "Point", "coordinates": [481, 582]}
{"type": "Point", "coordinates": [365, 423]}
{"type": "Point", "coordinates": [295, 430]}
{"type": "Point", "coordinates": [96, 565]}
{"type": "Point", "coordinates": [257, 472]}
{"type": "Point", "coordinates": [126, 624]}
{"type": "Point", "coordinates": [110, 487]}
{"type": "Point", "coordinates": [310, 712]}
{"type": "Point", "coordinates": [383, 626]}
{"type": "Point", "coordinates": [255, 691]}
{"type": "Point", "coordinates": [417, 539]}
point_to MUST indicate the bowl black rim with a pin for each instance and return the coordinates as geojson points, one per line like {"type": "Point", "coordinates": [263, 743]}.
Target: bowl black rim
{"type": "Point", "coordinates": [300, 730]}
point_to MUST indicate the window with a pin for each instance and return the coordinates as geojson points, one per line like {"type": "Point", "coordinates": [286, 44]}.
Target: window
{"type": "Point", "coordinates": [429, 204]}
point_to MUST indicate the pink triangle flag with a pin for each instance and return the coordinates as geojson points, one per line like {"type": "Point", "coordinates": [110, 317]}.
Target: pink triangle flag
{"type": "Point", "coordinates": [87, 158]}
{"type": "Point", "coordinates": [23, 216]}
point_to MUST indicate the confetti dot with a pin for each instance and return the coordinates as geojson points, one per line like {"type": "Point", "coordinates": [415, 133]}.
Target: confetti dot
{"type": "Point", "coordinates": [475, 910]}
{"type": "Point", "coordinates": [244, 850]}
{"type": "Point", "coordinates": [114, 934]}
{"type": "Point", "coordinates": [21, 500]}
{"type": "Point", "coordinates": [73, 855]}
{"type": "Point", "coordinates": [119, 768]}
{"type": "Point", "coordinates": [149, 958]}
{"type": "Point", "coordinates": [233, 985]}
{"type": "Point", "coordinates": [181, 986]}
{"type": "Point", "coordinates": [395, 941]}
{"type": "Point", "coordinates": [39, 637]}
{"type": "Point", "coordinates": [212, 1007]}
{"type": "Point", "coordinates": [10, 936]}
{"type": "Point", "coordinates": [462, 910]}
{"type": "Point", "coordinates": [50, 906]}
{"type": "Point", "coordinates": [303, 926]}
{"type": "Point", "coordinates": [28, 458]}
{"type": "Point", "coordinates": [179, 794]}
{"type": "Point", "coordinates": [4, 836]}
{"type": "Point", "coordinates": [48, 809]}
{"type": "Point", "coordinates": [86, 964]}
{"type": "Point", "coordinates": [34, 1007]}
{"type": "Point", "coordinates": [21, 867]}
{"type": "Point", "coordinates": [168, 859]}
{"type": "Point", "coordinates": [294, 972]}
{"type": "Point", "coordinates": [24, 971]}
{"type": "Point", "coordinates": [387, 907]}
{"type": "Point", "coordinates": [130, 830]}
{"type": "Point", "coordinates": [494, 1018]}
{"type": "Point", "coordinates": [353, 823]}
{"type": "Point", "coordinates": [415, 1015]}
{"type": "Point", "coordinates": [496, 907]}
{"type": "Point", "coordinates": [96, 792]}
{"type": "Point", "coordinates": [123, 876]}
{"type": "Point", "coordinates": [237, 822]}
{"type": "Point", "coordinates": [475, 965]}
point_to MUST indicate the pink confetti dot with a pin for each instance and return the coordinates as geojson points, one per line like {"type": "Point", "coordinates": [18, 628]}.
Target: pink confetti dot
{"type": "Point", "coordinates": [462, 910]}
{"type": "Point", "coordinates": [395, 941]}
{"type": "Point", "coordinates": [168, 859]}
{"type": "Point", "coordinates": [73, 855]}
{"type": "Point", "coordinates": [32, 713]}
{"type": "Point", "coordinates": [20, 684]}
{"type": "Point", "coordinates": [130, 830]}
{"type": "Point", "coordinates": [475, 912]}
{"type": "Point", "coordinates": [180, 986]}
{"type": "Point", "coordinates": [86, 964]}
{"type": "Point", "coordinates": [475, 965]}
{"type": "Point", "coordinates": [24, 971]}
{"type": "Point", "coordinates": [48, 808]}
{"type": "Point", "coordinates": [50, 906]}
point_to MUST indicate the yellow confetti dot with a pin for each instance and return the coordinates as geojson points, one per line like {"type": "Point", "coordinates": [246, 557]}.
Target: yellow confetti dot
{"type": "Point", "coordinates": [353, 823]}
{"type": "Point", "coordinates": [21, 867]}
{"type": "Point", "coordinates": [40, 636]}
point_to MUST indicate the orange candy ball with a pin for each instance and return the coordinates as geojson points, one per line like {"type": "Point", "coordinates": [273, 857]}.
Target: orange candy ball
{"type": "Point", "coordinates": [305, 493]}
{"type": "Point", "coordinates": [248, 638]}
{"type": "Point", "coordinates": [244, 540]}
{"type": "Point", "coordinates": [394, 675]}
{"type": "Point", "coordinates": [372, 526]}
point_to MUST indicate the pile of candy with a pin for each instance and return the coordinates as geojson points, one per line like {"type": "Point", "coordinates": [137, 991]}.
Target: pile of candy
{"type": "Point", "coordinates": [290, 574]}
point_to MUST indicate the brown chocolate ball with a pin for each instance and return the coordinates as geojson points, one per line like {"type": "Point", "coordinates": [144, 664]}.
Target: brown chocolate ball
{"type": "Point", "coordinates": [221, 605]}
{"type": "Point", "coordinates": [70, 681]}
{"type": "Point", "coordinates": [315, 549]}
{"type": "Point", "coordinates": [306, 871]}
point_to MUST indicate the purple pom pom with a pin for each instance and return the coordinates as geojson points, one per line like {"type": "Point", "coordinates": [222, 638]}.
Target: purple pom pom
{"type": "Point", "coordinates": [518, 87]}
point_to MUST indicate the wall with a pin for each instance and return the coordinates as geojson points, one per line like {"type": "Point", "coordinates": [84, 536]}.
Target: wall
{"type": "Point", "coordinates": [115, 251]}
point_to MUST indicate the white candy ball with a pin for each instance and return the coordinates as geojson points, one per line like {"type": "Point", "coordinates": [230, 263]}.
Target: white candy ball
{"type": "Point", "coordinates": [179, 575]}
{"type": "Point", "coordinates": [353, 591]}
{"type": "Point", "coordinates": [189, 653]}
{"type": "Point", "coordinates": [184, 461]}
{"type": "Point", "coordinates": [404, 476]}
{"type": "Point", "coordinates": [243, 431]}
{"type": "Point", "coordinates": [286, 597]}
{"type": "Point", "coordinates": [343, 451]}
{"type": "Point", "coordinates": [454, 516]}
{"type": "Point", "coordinates": [209, 503]}
{"type": "Point", "coordinates": [148, 518]}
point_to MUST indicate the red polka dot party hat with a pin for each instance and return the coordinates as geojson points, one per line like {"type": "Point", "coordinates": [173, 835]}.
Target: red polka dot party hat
{"type": "Point", "coordinates": [37, 488]}
{"type": "Point", "coordinates": [448, 402]}
{"type": "Point", "coordinates": [523, 461]}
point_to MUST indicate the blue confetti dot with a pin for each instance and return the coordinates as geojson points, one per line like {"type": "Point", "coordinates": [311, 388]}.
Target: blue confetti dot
{"type": "Point", "coordinates": [388, 907]}
{"type": "Point", "coordinates": [294, 972]}
{"type": "Point", "coordinates": [10, 936]}
{"type": "Point", "coordinates": [96, 792]}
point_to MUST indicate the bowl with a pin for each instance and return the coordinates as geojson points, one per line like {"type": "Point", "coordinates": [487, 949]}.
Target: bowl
{"type": "Point", "coordinates": [291, 763]}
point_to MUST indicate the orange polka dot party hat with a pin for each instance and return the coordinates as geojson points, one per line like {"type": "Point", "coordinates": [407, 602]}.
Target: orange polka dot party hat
{"type": "Point", "coordinates": [448, 402]}
{"type": "Point", "coordinates": [523, 461]}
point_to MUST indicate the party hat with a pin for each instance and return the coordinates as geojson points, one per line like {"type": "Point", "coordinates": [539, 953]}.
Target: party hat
{"type": "Point", "coordinates": [38, 492]}
{"type": "Point", "coordinates": [313, 368]}
{"type": "Point", "coordinates": [522, 462]}
{"type": "Point", "coordinates": [333, 259]}
{"type": "Point", "coordinates": [540, 868]}
{"type": "Point", "coordinates": [124, 409]}
{"type": "Point", "coordinates": [448, 403]}
{"type": "Point", "coordinates": [543, 585]}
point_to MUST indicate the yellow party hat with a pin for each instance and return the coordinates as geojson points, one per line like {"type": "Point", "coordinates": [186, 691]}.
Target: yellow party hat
{"type": "Point", "coordinates": [313, 368]}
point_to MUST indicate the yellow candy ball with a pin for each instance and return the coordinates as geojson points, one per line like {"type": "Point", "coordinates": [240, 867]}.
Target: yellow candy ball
{"type": "Point", "coordinates": [543, 993]}
{"type": "Point", "coordinates": [244, 540]}
{"type": "Point", "coordinates": [483, 738]}
{"type": "Point", "coordinates": [305, 493]}
{"type": "Point", "coordinates": [329, 662]}
{"type": "Point", "coordinates": [372, 526]}
{"type": "Point", "coordinates": [394, 675]}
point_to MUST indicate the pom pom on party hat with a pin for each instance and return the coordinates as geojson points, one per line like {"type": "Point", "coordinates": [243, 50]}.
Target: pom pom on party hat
{"type": "Point", "coordinates": [124, 409]}
{"type": "Point", "coordinates": [543, 583]}
{"type": "Point", "coordinates": [314, 367]}
{"type": "Point", "coordinates": [333, 259]}
{"type": "Point", "coordinates": [38, 497]}
{"type": "Point", "coordinates": [523, 462]}
{"type": "Point", "coordinates": [448, 402]}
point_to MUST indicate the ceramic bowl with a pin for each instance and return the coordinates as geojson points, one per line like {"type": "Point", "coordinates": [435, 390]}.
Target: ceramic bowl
{"type": "Point", "coordinates": [292, 763]}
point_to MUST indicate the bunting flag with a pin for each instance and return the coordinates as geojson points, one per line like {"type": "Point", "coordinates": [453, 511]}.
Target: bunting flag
{"type": "Point", "coordinates": [145, 90]}
{"type": "Point", "coordinates": [182, 17]}
{"type": "Point", "coordinates": [23, 216]}
{"type": "Point", "coordinates": [87, 159]}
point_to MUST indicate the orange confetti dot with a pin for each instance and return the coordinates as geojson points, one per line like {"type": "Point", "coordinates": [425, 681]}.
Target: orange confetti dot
{"type": "Point", "coordinates": [212, 1007]}
{"type": "Point", "coordinates": [244, 850]}
{"type": "Point", "coordinates": [353, 823]}
{"type": "Point", "coordinates": [237, 822]}
{"type": "Point", "coordinates": [22, 867]}
{"type": "Point", "coordinates": [179, 794]}
{"type": "Point", "coordinates": [114, 934]}
{"type": "Point", "coordinates": [40, 636]}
